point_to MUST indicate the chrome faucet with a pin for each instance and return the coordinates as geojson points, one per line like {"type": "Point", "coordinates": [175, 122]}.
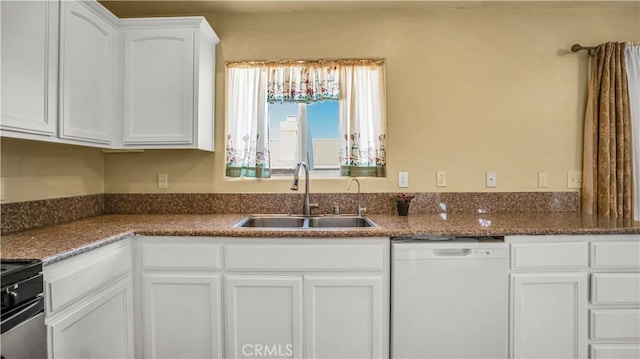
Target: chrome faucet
{"type": "Point", "coordinates": [360, 208]}
{"type": "Point", "coordinates": [306, 206]}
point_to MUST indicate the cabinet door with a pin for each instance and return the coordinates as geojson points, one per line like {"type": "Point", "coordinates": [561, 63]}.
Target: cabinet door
{"type": "Point", "coordinates": [87, 74]}
{"type": "Point", "coordinates": [344, 317]}
{"type": "Point", "coordinates": [100, 328]}
{"type": "Point", "coordinates": [158, 86]}
{"type": "Point", "coordinates": [263, 316]}
{"type": "Point", "coordinates": [181, 316]}
{"type": "Point", "coordinates": [549, 315]}
{"type": "Point", "coordinates": [29, 66]}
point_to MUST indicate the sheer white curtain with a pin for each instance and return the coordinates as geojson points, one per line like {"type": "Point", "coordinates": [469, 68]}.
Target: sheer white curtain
{"type": "Point", "coordinates": [632, 59]}
{"type": "Point", "coordinates": [247, 124]}
{"type": "Point", "coordinates": [363, 119]}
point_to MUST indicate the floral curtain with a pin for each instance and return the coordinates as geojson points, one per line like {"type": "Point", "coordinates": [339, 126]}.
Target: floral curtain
{"type": "Point", "coordinates": [247, 126]}
{"type": "Point", "coordinates": [302, 83]}
{"type": "Point", "coordinates": [362, 120]}
{"type": "Point", "coordinates": [607, 178]}
{"type": "Point", "coordinates": [358, 85]}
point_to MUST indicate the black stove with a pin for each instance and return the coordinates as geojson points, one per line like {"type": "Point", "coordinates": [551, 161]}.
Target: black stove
{"type": "Point", "coordinates": [22, 328]}
{"type": "Point", "coordinates": [21, 282]}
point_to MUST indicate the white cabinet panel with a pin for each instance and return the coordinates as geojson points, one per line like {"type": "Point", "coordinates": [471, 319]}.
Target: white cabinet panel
{"type": "Point", "coordinates": [182, 316]}
{"type": "Point", "coordinates": [69, 280]}
{"type": "Point", "coordinates": [169, 79]}
{"type": "Point", "coordinates": [615, 351]}
{"type": "Point", "coordinates": [345, 317]}
{"type": "Point", "coordinates": [87, 74]}
{"type": "Point", "coordinates": [549, 318]}
{"type": "Point", "coordinates": [615, 324]}
{"type": "Point", "coordinates": [101, 328]}
{"type": "Point", "coordinates": [299, 257]}
{"type": "Point", "coordinates": [263, 313]}
{"type": "Point", "coordinates": [549, 255]}
{"type": "Point", "coordinates": [29, 66]}
{"type": "Point", "coordinates": [616, 254]}
{"type": "Point", "coordinates": [192, 256]}
{"type": "Point", "coordinates": [615, 288]}
{"type": "Point", "coordinates": [159, 86]}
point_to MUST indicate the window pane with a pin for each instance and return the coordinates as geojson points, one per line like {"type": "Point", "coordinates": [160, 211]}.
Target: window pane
{"type": "Point", "coordinates": [322, 124]}
{"type": "Point", "coordinates": [288, 127]}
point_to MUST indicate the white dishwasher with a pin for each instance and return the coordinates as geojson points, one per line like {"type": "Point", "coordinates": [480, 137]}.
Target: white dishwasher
{"type": "Point", "coordinates": [449, 298]}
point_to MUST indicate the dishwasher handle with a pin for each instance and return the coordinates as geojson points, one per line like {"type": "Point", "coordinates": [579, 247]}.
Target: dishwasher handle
{"type": "Point", "coordinates": [451, 252]}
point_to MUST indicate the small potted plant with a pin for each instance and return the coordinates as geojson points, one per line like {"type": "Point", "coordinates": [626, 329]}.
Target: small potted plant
{"type": "Point", "coordinates": [402, 201]}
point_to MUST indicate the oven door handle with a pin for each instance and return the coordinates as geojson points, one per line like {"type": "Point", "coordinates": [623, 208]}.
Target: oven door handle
{"type": "Point", "coordinates": [28, 311]}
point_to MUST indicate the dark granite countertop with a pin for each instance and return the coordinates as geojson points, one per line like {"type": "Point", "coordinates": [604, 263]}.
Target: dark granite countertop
{"type": "Point", "coordinates": [57, 242]}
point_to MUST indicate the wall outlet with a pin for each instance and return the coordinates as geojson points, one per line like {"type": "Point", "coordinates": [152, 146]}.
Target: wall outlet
{"type": "Point", "coordinates": [163, 180]}
{"type": "Point", "coordinates": [403, 179]}
{"type": "Point", "coordinates": [441, 179]}
{"type": "Point", "coordinates": [574, 179]}
{"type": "Point", "coordinates": [492, 181]}
{"type": "Point", "coordinates": [543, 179]}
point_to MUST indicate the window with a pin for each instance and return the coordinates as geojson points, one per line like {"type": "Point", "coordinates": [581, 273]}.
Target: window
{"type": "Point", "coordinates": [306, 132]}
{"type": "Point", "coordinates": [330, 114]}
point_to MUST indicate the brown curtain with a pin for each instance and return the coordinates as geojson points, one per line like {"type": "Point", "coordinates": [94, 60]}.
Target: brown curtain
{"type": "Point", "coordinates": [607, 178]}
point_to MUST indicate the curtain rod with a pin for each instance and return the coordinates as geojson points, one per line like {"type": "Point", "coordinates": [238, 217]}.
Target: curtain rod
{"type": "Point", "coordinates": [578, 47]}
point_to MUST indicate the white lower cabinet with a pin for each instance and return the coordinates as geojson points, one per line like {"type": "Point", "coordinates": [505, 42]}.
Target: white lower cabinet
{"type": "Point", "coordinates": [181, 316]}
{"type": "Point", "coordinates": [100, 328]}
{"type": "Point", "coordinates": [575, 296]}
{"type": "Point", "coordinates": [179, 297]}
{"type": "Point", "coordinates": [549, 315]}
{"type": "Point", "coordinates": [89, 304]}
{"type": "Point", "coordinates": [614, 317]}
{"type": "Point", "coordinates": [264, 316]}
{"type": "Point", "coordinates": [345, 316]}
{"type": "Point", "coordinates": [307, 298]}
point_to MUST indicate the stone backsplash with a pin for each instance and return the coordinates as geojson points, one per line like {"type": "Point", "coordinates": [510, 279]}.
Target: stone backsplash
{"type": "Point", "coordinates": [25, 215]}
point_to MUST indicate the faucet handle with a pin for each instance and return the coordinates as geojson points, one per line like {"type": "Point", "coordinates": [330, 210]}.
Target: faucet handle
{"type": "Point", "coordinates": [314, 205]}
{"type": "Point", "coordinates": [362, 209]}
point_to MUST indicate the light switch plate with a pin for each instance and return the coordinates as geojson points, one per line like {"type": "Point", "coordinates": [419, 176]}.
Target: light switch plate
{"type": "Point", "coordinates": [574, 179]}
{"type": "Point", "coordinates": [491, 179]}
{"type": "Point", "coordinates": [441, 179]}
{"type": "Point", "coordinates": [403, 179]}
{"type": "Point", "coordinates": [163, 180]}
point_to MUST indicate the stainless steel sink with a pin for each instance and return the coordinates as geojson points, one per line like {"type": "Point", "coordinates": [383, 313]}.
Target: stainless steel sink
{"type": "Point", "coordinates": [304, 222]}
{"type": "Point", "coordinates": [271, 222]}
{"type": "Point", "coordinates": [340, 221]}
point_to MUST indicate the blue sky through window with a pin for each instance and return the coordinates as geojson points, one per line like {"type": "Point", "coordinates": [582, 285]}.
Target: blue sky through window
{"type": "Point", "coordinates": [322, 118]}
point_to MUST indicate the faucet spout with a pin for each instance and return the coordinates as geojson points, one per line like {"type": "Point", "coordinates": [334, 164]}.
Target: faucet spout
{"type": "Point", "coordinates": [359, 210]}
{"type": "Point", "coordinates": [306, 206]}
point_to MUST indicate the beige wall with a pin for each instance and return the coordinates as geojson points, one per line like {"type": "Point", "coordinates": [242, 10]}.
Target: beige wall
{"type": "Point", "coordinates": [38, 170]}
{"type": "Point", "coordinates": [468, 91]}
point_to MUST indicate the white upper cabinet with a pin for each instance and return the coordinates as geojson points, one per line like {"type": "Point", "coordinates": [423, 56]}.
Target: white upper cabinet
{"type": "Point", "coordinates": [168, 91]}
{"type": "Point", "coordinates": [72, 72]}
{"type": "Point", "coordinates": [29, 68]}
{"type": "Point", "coordinates": [87, 72]}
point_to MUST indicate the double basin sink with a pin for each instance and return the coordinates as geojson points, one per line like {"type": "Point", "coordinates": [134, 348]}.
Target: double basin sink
{"type": "Point", "coordinates": [304, 222]}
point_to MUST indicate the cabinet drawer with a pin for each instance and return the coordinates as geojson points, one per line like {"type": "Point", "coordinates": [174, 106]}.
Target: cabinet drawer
{"type": "Point", "coordinates": [75, 277]}
{"type": "Point", "coordinates": [549, 255]}
{"type": "Point", "coordinates": [615, 351]}
{"type": "Point", "coordinates": [182, 256]}
{"type": "Point", "coordinates": [615, 254]}
{"type": "Point", "coordinates": [615, 288]}
{"type": "Point", "coordinates": [615, 324]}
{"type": "Point", "coordinates": [304, 257]}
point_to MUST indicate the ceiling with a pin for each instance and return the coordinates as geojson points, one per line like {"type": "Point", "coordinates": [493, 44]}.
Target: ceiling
{"type": "Point", "coordinates": [131, 8]}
